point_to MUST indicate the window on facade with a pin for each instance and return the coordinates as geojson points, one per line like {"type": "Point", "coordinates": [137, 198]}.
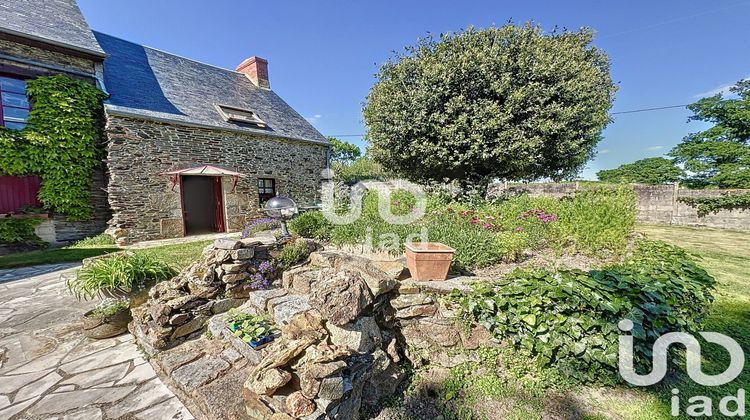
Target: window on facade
{"type": "Point", "coordinates": [266, 189]}
{"type": "Point", "coordinates": [14, 104]}
{"type": "Point", "coordinates": [239, 115]}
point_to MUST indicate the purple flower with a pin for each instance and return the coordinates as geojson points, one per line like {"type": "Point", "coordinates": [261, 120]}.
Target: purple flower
{"type": "Point", "coordinates": [266, 267]}
{"type": "Point", "coordinates": [258, 281]}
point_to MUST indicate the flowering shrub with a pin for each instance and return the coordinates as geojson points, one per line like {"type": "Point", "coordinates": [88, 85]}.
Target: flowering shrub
{"type": "Point", "coordinates": [262, 275]}
{"type": "Point", "coordinates": [259, 225]}
{"type": "Point", "coordinates": [594, 221]}
{"type": "Point", "coordinates": [539, 214]}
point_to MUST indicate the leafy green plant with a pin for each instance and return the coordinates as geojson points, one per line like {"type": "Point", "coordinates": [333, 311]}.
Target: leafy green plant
{"type": "Point", "coordinates": [707, 205]}
{"type": "Point", "coordinates": [94, 241]}
{"type": "Point", "coordinates": [311, 224]}
{"type": "Point", "coordinates": [598, 220]}
{"type": "Point", "coordinates": [567, 320]}
{"type": "Point", "coordinates": [248, 327]}
{"type": "Point", "coordinates": [109, 307]}
{"type": "Point", "coordinates": [20, 230]}
{"type": "Point", "coordinates": [655, 170]}
{"type": "Point", "coordinates": [117, 274]}
{"type": "Point", "coordinates": [294, 253]}
{"type": "Point", "coordinates": [259, 225]}
{"type": "Point", "coordinates": [59, 143]}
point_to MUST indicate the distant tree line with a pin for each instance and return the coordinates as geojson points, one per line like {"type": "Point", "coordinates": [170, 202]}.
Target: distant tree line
{"type": "Point", "coordinates": [718, 157]}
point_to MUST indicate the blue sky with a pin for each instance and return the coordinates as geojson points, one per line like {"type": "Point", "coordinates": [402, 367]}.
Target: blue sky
{"type": "Point", "coordinates": [323, 54]}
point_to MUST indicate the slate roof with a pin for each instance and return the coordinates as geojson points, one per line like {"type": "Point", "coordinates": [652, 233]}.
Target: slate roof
{"type": "Point", "coordinates": [57, 22]}
{"type": "Point", "coordinates": [149, 83]}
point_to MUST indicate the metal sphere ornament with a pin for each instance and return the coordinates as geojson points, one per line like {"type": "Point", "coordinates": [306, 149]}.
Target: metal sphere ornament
{"type": "Point", "coordinates": [283, 209]}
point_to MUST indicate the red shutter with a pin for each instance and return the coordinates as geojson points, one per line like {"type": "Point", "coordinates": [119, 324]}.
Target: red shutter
{"type": "Point", "coordinates": [17, 192]}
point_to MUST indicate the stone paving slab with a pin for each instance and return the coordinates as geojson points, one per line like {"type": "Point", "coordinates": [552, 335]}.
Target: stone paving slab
{"type": "Point", "coordinates": [12, 274]}
{"type": "Point", "coordinates": [49, 370]}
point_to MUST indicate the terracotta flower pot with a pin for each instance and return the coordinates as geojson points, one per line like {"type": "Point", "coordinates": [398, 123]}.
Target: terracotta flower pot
{"type": "Point", "coordinates": [429, 260]}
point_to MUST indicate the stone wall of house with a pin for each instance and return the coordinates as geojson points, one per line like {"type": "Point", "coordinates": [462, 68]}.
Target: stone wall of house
{"type": "Point", "coordinates": [43, 56]}
{"type": "Point", "coordinates": [57, 229]}
{"type": "Point", "coordinates": [146, 205]}
{"type": "Point", "coordinates": [657, 204]}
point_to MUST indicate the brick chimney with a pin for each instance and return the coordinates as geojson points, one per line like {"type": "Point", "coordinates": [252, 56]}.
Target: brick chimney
{"type": "Point", "coordinates": [256, 69]}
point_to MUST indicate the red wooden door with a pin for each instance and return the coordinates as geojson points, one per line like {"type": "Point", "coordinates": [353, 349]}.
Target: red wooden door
{"type": "Point", "coordinates": [219, 203]}
{"type": "Point", "coordinates": [17, 192]}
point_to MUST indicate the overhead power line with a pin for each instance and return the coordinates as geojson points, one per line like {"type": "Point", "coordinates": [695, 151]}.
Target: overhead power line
{"type": "Point", "coordinates": [632, 111]}
{"type": "Point", "coordinates": [649, 109]}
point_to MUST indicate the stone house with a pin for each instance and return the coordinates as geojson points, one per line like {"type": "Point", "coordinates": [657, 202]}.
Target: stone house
{"type": "Point", "coordinates": [191, 148]}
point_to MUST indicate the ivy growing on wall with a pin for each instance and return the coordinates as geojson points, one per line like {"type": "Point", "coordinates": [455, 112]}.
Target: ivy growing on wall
{"type": "Point", "coordinates": [60, 143]}
{"type": "Point", "coordinates": [20, 230]}
{"type": "Point", "coordinates": [706, 205]}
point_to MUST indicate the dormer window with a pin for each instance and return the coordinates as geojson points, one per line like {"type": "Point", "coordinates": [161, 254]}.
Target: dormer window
{"type": "Point", "coordinates": [239, 115]}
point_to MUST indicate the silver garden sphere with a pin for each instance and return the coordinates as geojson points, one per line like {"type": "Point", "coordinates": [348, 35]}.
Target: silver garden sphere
{"type": "Point", "coordinates": [282, 209]}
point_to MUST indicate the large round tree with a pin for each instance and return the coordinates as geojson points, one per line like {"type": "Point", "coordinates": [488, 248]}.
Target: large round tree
{"type": "Point", "coordinates": [511, 103]}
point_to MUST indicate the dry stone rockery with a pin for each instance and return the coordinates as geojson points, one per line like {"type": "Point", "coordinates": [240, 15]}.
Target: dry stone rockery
{"type": "Point", "coordinates": [348, 325]}
{"type": "Point", "coordinates": [348, 346]}
{"type": "Point", "coordinates": [178, 309]}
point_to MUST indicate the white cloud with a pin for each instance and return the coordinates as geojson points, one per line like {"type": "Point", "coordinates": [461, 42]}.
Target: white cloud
{"type": "Point", "coordinates": [313, 119]}
{"type": "Point", "coordinates": [604, 151]}
{"type": "Point", "coordinates": [653, 148]}
{"type": "Point", "coordinates": [723, 89]}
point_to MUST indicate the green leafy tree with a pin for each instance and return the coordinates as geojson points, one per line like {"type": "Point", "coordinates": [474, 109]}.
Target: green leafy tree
{"type": "Point", "coordinates": [657, 170]}
{"type": "Point", "coordinates": [343, 151]}
{"type": "Point", "coordinates": [509, 102]}
{"type": "Point", "coordinates": [362, 169]}
{"type": "Point", "coordinates": [719, 157]}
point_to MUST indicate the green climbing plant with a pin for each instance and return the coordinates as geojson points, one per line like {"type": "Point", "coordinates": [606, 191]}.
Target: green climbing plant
{"type": "Point", "coordinates": [60, 143]}
{"type": "Point", "coordinates": [728, 201]}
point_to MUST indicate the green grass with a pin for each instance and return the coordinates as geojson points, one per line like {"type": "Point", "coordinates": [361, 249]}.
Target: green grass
{"type": "Point", "coordinates": [724, 254]}
{"type": "Point", "coordinates": [178, 256]}
{"type": "Point", "coordinates": [53, 256]}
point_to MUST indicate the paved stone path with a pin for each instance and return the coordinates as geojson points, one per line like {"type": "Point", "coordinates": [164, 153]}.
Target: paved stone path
{"type": "Point", "coordinates": [48, 370]}
{"type": "Point", "coordinates": [37, 270]}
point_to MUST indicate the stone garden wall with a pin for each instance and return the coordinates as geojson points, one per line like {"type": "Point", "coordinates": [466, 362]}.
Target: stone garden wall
{"type": "Point", "coordinates": [656, 203]}
{"type": "Point", "coordinates": [147, 206]}
{"type": "Point", "coordinates": [348, 328]}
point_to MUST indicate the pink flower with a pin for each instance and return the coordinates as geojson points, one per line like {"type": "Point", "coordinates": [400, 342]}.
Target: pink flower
{"type": "Point", "coordinates": [519, 229]}
{"type": "Point", "coordinates": [474, 220]}
{"type": "Point", "coordinates": [487, 226]}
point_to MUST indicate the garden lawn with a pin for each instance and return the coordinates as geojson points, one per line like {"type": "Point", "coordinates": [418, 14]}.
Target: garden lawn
{"type": "Point", "coordinates": [54, 256]}
{"type": "Point", "coordinates": [178, 256]}
{"type": "Point", "coordinates": [726, 256]}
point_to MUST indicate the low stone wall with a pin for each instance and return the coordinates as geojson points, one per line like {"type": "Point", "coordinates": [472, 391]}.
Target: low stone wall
{"type": "Point", "coordinates": [348, 325]}
{"type": "Point", "coordinates": [657, 204]}
{"type": "Point", "coordinates": [178, 309]}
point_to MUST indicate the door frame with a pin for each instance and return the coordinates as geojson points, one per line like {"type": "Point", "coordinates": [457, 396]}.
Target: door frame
{"type": "Point", "coordinates": [222, 214]}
